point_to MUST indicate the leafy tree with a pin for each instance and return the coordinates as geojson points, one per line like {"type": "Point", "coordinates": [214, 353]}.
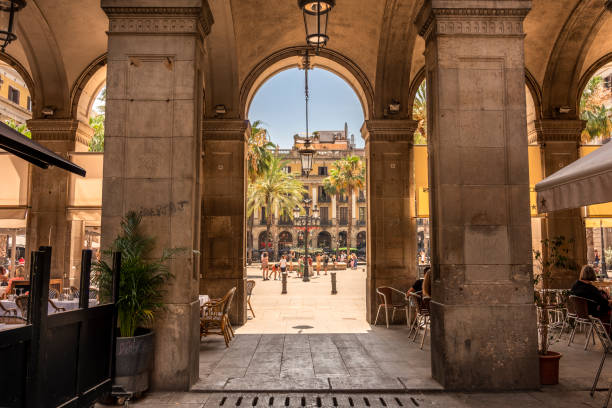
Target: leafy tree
{"type": "Point", "coordinates": [276, 190]}
{"type": "Point", "coordinates": [258, 156]}
{"type": "Point", "coordinates": [419, 113]}
{"type": "Point", "coordinates": [345, 177]}
{"type": "Point", "coordinates": [96, 144]}
{"type": "Point", "coordinates": [594, 111]}
{"type": "Point", "coordinates": [20, 127]}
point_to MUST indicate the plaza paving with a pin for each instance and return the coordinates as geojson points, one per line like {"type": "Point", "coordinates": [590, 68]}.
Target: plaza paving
{"type": "Point", "coordinates": [308, 348]}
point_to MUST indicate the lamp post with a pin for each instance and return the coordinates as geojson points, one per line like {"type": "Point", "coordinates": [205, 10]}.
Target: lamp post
{"type": "Point", "coordinates": [306, 221]}
{"type": "Point", "coordinates": [11, 7]}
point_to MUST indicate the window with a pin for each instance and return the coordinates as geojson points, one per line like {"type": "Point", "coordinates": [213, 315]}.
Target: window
{"type": "Point", "coordinates": [322, 171]}
{"type": "Point", "coordinates": [287, 169]}
{"type": "Point", "coordinates": [362, 214]}
{"type": "Point", "coordinates": [263, 215]}
{"type": "Point", "coordinates": [324, 214]}
{"type": "Point", "coordinates": [13, 95]}
{"type": "Point", "coordinates": [323, 196]}
{"type": "Point", "coordinates": [343, 215]}
{"type": "Point", "coordinates": [361, 195]}
{"type": "Point", "coordinates": [30, 104]}
{"type": "Point", "coordinates": [608, 82]}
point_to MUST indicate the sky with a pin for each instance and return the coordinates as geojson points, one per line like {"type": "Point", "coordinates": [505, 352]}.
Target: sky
{"type": "Point", "coordinates": [279, 104]}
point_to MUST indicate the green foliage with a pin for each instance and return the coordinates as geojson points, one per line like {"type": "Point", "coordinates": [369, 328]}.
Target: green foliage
{"type": "Point", "coordinates": [594, 111]}
{"type": "Point", "coordinates": [20, 127]}
{"type": "Point", "coordinates": [142, 280]}
{"type": "Point", "coordinates": [419, 113]}
{"type": "Point", "coordinates": [258, 150]}
{"type": "Point", "coordinates": [96, 144]}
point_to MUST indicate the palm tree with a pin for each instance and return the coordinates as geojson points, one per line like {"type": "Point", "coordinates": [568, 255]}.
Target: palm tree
{"type": "Point", "coordinates": [345, 177]}
{"type": "Point", "coordinates": [419, 113]}
{"type": "Point", "coordinates": [258, 155]}
{"type": "Point", "coordinates": [594, 111]}
{"type": "Point", "coordinates": [277, 191]}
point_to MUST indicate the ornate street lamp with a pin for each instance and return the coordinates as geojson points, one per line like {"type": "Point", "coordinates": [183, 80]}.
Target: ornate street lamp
{"type": "Point", "coordinates": [7, 36]}
{"type": "Point", "coordinates": [306, 221]}
{"type": "Point", "coordinates": [316, 15]}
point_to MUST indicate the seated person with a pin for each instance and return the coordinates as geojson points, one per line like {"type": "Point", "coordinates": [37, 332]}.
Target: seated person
{"type": "Point", "coordinates": [418, 284]}
{"type": "Point", "coordinates": [4, 276]}
{"type": "Point", "coordinates": [600, 305]}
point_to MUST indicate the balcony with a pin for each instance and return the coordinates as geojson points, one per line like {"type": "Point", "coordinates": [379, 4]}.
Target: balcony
{"type": "Point", "coordinates": [324, 199]}
{"type": "Point", "coordinates": [262, 221]}
{"type": "Point", "coordinates": [361, 199]}
{"type": "Point", "coordinates": [343, 222]}
{"type": "Point", "coordinates": [287, 221]}
{"type": "Point", "coordinates": [326, 223]}
{"type": "Point", "coordinates": [343, 199]}
{"type": "Point", "coordinates": [360, 223]}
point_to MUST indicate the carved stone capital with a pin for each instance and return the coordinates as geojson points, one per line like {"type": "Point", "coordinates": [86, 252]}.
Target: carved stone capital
{"type": "Point", "coordinates": [54, 130]}
{"type": "Point", "coordinates": [471, 18]}
{"type": "Point", "coordinates": [552, 130]}
{"type": "Point", "coordinates": [226, 129]}
{"type": "Point", "coordinates": [389, 130]}
{"type": "Point", "coordinates": [150, 17]}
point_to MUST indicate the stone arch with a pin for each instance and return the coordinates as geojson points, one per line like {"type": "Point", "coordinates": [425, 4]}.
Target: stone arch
{"type": "Point", "coordinates": [361, 240]}
{"type": "Point", "coordinates": [292, 58]}
{"type": "Point", "coordinates": [22, 71]}
{"type": "Point", "coordinates": [588, 74]}
{"type": "Point", "coordinates": [324, 240]}
{"type": "Point", "coordinates": [86, 89]}
{"type": "Point", "coordinates": [285, 242]}
{"type": "Point", "coordinates": [414, 87]}
{"type": "Point", "coordinates": [342, 239]}
{"type": "Point", "coordinates": [561, 81]}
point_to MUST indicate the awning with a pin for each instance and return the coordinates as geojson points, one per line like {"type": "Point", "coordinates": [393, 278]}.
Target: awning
{"type": "Point", "coordinates": [19, 145]}
{"type": "Point", "coordinates": [584, 182]}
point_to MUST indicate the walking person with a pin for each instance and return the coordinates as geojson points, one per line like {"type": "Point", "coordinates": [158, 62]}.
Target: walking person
{"type": "Point", "coordinates": [283, 265]}
{"type": "Point", "coordinates": [274, 270]}
{"type": "Point", "coordinates": [325, 262]}
{"type": "Point", "coordinates": [264, 265]}
{"type": "Point", "coordinates": [318, 264]}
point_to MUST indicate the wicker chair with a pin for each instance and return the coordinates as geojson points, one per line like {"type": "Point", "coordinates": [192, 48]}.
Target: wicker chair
{"type": "Point", "coordinates": [75, 292]}
{"type": "Point", "coordinates": [421, 305]}
{"type": "Point", "coordinates": [7, 311]}
{"type": "Point", "coordinates": [93, 294]}
{"type": "Point", "coordinates": [53, 293]}
{"type": "Point", "coordinates": [215, 318]}
{"type": "Point", "coordinates": [12, 320]}
{"type": "Point", "coordinates": [250, 284]}
{"type": "Point", "coordinates": [385, 301]}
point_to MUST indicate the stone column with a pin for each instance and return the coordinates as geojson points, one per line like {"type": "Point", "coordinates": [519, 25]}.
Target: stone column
{"type": "Point", "coordinates": [152, 157]}
{"type": "Point", "coordinates": [560, 145]}
{"type": "Point", "coordinates": [483, 328]}
{"type": "Point", "coordinates": [391, 242]}
{"type": "Point", "coordinates": [223, 209]}
{"type": "Point", "coordinates": [47, 222]}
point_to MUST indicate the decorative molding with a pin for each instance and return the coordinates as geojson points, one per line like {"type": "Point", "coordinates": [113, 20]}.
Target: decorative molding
{"type": "Point", "coordinates": [225, 129]}
{"type": "Point", "coordinates": [175, 20]}
{"type": "Point", "coordinates": [83, 79]}
{"type": "Point", "coordinates": [60, 130]}
{"type": "Point", "coordinates": [389, 130]}
{"type": "Point", "coordinates": [551, 130]}
{"type": "Point", "coordinates": [470, 21]}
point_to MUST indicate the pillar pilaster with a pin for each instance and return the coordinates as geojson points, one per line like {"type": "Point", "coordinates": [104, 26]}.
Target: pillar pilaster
{"type": "Point", "coordinates": [48, 222]}
{"type": "Point", "coordinates": [391, 254]}
{"type": "Point", "coordinates": [224, 205]}
{"type": "Point", "coordinates": [483, 327]}
{"type": "Point", "coordinates": [559, 142]}
{"type": "Point", "coordinates": [153, 155]}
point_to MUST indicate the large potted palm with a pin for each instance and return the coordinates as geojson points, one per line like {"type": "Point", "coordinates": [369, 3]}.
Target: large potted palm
{"type": "Point", "coordinates": [142, 280]}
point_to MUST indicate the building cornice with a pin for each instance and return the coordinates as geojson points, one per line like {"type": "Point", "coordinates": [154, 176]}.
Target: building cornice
{"type": "Point", "coordinates": [553, 130]}
{"type": "Point", "coordinates": [226, 129]}
{"type": "Point", "coordinates": [60, 130]}
{"type": "Point", "coordinates": [389, 130]}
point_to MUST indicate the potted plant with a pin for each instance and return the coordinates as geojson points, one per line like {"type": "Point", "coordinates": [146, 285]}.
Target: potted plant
{"type": "Point", "coordinates": [142, 280]}
{"type": "Point", "coordinates": [554, 257]}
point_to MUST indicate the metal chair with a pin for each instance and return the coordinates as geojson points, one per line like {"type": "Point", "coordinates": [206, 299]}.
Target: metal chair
{"type": "Point", "coordinates": [601, 331]}
{"type": "Point", "coordinates": [385, 301]}
{"type": "Point", "coordinates": [250, 284]}
{"type": "Point", "coordinates": [422, 317]}
{"type": "Point", "coordinates": [580, 306]}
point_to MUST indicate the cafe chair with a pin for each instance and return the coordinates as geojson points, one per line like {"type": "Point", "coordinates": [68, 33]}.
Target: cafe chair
{"type": "Point", "coordinates": [53, 293]}
{"type": "Point", "coordinates": [601, 331]}
{"type": "Point", "coordinates": [580, 307]}
{"type": "Point", "coordinates": [386, 302]}
{"type": "Point", "coordinates": [6, 311]}
{"type": "Point", "coordinates": [215, 317]}
{"type": "Point", "coordinates": [12, 320]}
{"type": "Point", "coordinates": [56, 308]}
{"type": "Point", "coordinates": [421, 305]}
{"type": "Point", "coordinates": [250, 284]}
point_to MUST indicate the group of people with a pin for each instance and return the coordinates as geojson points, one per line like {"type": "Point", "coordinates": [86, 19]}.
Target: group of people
{"type": "Point", "coordinates": [274, 270]}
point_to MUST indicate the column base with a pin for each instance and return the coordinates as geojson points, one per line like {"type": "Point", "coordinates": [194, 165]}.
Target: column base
{"type": "Point", "coordinates": [484, 348]}
{"type": "Point", "coordinates": [177, 348]}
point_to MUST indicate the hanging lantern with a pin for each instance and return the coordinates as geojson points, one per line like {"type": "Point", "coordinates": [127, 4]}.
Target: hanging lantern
{"type": "Point", "coordinates": [316, 14]}
{"type": "Point", "coordinates": [7, 35]}
{"type": "Point", "coordinates": [306, 155]}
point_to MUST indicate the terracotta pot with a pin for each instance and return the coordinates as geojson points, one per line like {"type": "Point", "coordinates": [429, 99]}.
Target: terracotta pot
{"type": "Point", "coordinates": [549, 368]}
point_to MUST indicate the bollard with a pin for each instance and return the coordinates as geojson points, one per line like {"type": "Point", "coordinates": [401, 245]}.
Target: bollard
{"type": "Point", "coordinates": [284, 278]}
{"type": "Point", "coordinates": [333, 281]}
